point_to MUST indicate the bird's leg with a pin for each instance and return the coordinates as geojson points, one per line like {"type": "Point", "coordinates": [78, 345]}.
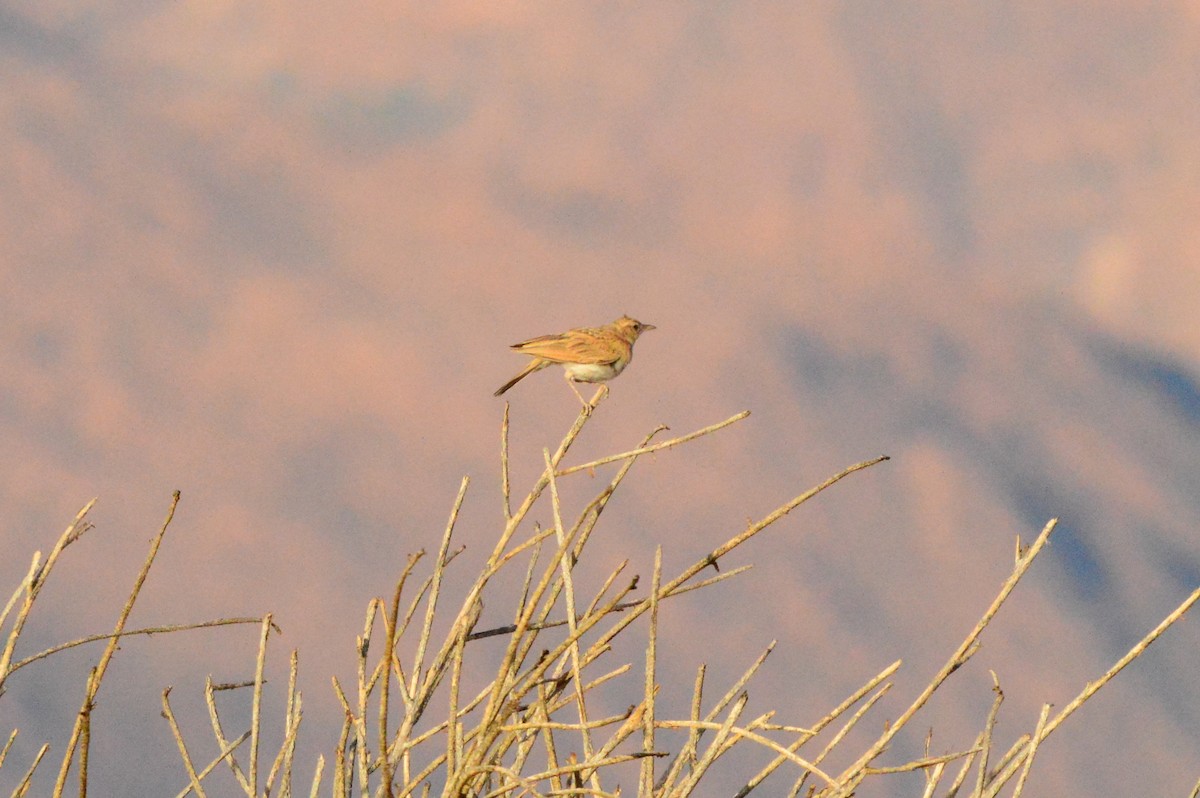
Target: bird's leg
{"type": "Point", "coordinates": [587, 407]}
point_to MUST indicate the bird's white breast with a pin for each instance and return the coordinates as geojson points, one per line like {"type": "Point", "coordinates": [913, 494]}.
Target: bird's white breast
{"type": "Point", "coordinates": [594, 372]}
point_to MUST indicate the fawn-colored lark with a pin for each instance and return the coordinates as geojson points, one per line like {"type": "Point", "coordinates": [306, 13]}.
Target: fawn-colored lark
{"type": "Point", "coordinates": [587, 354]}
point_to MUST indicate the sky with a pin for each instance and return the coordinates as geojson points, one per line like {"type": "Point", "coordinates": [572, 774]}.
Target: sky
{"type": "Point", "coordinates": [271, 255]}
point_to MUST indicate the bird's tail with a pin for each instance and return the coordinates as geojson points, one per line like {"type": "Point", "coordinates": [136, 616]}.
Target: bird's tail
{"type": "Point", "coordinates": [534, 365]}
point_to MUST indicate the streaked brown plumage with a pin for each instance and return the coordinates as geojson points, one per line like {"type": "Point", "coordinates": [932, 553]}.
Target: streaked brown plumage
{"type": "Point", "coordinates": [587, 354]}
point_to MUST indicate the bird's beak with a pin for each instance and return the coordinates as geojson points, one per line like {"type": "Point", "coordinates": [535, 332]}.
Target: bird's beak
{"type": "Point", "coordinates": [648, 327]}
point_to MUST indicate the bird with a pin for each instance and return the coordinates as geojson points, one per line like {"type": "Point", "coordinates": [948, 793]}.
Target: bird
{"type": "Point", "coordinates": [587, 354]}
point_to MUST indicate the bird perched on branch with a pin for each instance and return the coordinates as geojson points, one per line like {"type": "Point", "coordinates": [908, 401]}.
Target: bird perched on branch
{"type": "Point", "coordinates": [587, 354]}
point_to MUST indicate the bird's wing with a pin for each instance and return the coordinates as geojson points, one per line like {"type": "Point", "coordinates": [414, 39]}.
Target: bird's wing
{"type": "Point", "coordinates": [576, 346]}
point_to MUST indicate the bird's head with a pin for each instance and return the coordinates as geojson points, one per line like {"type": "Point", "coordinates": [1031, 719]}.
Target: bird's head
{"type": "Point", "coordinates": [631, 328]}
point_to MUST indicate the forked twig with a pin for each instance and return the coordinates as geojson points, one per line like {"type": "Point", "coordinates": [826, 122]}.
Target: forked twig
{"type": "Point", "coordinates": [854, 774]}
{"type": "Point", "coordinates": [102, 666]}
